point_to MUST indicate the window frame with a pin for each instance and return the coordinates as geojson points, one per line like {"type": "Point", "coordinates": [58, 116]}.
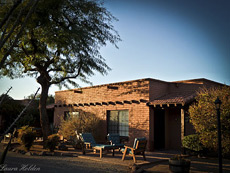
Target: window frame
{"type": "Point", "coordinates": [118, 122]}
{"type": "Point", "coordinates": [67, 114]}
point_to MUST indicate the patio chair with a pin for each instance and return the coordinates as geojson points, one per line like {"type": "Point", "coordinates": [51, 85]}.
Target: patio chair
{"type": "Point", "coordinates": [114, 140]}
{"type": "Point", "coordinates": [138, 148]}
{"type": "Point", "coordinates": [89, 142]}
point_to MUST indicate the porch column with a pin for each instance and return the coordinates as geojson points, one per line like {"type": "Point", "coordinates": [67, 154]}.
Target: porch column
{"type": "Point", "coordinates": [182, 124]}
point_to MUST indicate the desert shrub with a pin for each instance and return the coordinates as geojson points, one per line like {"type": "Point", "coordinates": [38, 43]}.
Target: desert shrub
{"type": "Point", "coordinates": [193, 143]}
{"type": "Point", "coordinates": [27, 136]}
{"type": "Point", "coordinates": [203, 116]}
{"type": "Point", "coordinates": [84, 122]}
{"type": "Point", "coordinates": [52, 142]}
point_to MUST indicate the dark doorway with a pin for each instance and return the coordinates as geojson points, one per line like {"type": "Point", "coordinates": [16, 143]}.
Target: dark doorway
{"type": "Point", "coordinates": [159, 128]}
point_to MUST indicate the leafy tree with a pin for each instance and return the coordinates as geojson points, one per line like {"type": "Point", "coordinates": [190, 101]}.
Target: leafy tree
{"type": "Point", "coordinates": [31, 116]}
{"type": "Point", "coordinates": [61, 42]}
{"type": "Point", "coordinates": [204, 118]}
{"type": "Point", "coordinates": [9, 109]}
{"type": "Point", "coordinates": [50, 98]}
{"type": "Point", "coordinates": [17, 28]}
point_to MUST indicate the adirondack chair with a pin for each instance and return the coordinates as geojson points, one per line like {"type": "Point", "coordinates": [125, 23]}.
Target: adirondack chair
{"type": "Point", "coordinates": [114, 140]}
{"type": "Point", "coordinates": [138, 148]}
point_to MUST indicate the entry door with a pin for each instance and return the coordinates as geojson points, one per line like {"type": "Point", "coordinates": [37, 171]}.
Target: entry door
{"type": "Point", "coordinates": [159, 128]}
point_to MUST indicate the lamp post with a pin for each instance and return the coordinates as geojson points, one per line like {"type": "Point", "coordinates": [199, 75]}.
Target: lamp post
{"type": "Point", "coordinates": [218, 103]}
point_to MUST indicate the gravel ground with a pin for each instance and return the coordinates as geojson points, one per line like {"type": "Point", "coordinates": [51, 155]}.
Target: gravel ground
{"type": "Point", "coordinates": [50, 164]}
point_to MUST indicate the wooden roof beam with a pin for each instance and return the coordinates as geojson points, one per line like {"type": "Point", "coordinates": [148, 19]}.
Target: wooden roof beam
{"type": "Point", "coordinates": [135, 101]}
{"type": "Point", "coordinates": [104, 103]}
{"type": "Point", "coordinates": [111, 103]}
{"type": "Point", "coordinates": [127, 102]}
{"type": "Point", "coordinates": [118, 102]}
{"type": "Point", "coordinates": [143, 100]}
{"type": "Point", "coordinates": [97, 103]}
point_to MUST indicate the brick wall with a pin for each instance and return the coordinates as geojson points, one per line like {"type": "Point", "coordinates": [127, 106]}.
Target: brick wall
{"type": "Point", "coordinates": [117, 93]}
{"type": "Point", "coordinates": [112, 92]}
{"type": "Point", "coordinates": [157, 89]}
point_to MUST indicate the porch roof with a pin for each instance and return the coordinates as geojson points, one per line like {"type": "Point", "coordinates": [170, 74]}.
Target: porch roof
{"type": "Point", "coordinates": [174, 98]}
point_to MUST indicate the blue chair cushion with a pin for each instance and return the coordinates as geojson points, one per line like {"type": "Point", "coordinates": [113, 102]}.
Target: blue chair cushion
{"type": "Point", "coordinates": [114, 138]}
{"type": "Point", "coordinates": [88, 137]}
{"type": "Point", "coordinates": [138, 139]}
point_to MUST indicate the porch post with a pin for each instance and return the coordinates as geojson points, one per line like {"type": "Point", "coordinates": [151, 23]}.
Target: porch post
{"type": "Point", "coordinates": [182, 125]}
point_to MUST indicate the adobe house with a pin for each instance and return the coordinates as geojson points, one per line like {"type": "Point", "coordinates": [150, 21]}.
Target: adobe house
{"type": "Point", "coordinates": [148, 107]}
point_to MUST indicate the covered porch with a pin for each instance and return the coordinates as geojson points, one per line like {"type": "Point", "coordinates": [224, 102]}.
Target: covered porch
{"type": "Point", "coordinates": [169, 121]}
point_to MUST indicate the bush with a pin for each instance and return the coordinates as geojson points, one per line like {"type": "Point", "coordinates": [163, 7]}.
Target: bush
{"type": "Point", "coordinates": [52, 142]}
{"type": "Point", "coordinates": [203, 116]}
{"type": "Point", "coordinates": [193, 143]}
{"type": "Point", "coordinates": [27, 136]}
{"type": "Point", "coordinates": [86, 122]}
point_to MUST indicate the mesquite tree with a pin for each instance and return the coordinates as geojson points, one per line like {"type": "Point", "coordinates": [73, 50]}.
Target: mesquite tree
{"type": "Point", "coordinates": [60, 43]}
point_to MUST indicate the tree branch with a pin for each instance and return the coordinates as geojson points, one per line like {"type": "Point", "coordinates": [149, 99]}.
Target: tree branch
{"type": "Point", "coordinates": [7, 16]}
{"type": "Point", "coordinates": [69, 77]}
{"type": "Point", "coordinates": [15, 24]}
{"type": "Point", "coordinates": [20, 32]}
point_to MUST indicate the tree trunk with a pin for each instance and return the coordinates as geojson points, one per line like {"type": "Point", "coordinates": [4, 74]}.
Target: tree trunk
{"type": "Point", "coordinates": [44, 120]}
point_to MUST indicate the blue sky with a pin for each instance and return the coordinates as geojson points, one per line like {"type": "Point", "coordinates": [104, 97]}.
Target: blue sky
{"type": "Point", "coordinates": [161, 39]}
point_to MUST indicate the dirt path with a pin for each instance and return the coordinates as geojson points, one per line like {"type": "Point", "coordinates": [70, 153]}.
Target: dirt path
{"type": "Point", "coordinates": [51, 164]}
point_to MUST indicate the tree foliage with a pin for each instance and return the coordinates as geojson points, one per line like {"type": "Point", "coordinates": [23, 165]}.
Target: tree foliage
{"type": "Point", "coordinates": [9, 110]}
{"type": "Point", "coordinates": [17, 28]}
{"type": "Point", "coordinates": [204, 117]}
{"type": "Point", "coordinates": [61, 42]}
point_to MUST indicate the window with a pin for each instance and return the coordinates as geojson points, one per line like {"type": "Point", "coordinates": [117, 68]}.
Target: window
{"type": "Point", "coordinates": [68, 114]}
{"type": "Point", "coordinates": [118, 122]}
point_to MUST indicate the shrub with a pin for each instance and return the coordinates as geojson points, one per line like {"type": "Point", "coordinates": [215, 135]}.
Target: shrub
{"type": "Point", "coordinates": [52, 142]}
{"type": "Point", "coordinates": [203, 116]}
{"type": "Point", "coordinates": [27, 136]}
{"type": "Point", "coordinates": [192, 142]}
{"type": "Point", "coordinates": [85, 122]}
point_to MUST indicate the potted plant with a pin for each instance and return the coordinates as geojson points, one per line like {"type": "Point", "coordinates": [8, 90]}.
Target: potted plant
{"type": "Point", "coordinates": [179, 164]}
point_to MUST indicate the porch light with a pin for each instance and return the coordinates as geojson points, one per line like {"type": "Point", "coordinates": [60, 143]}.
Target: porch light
{"type": "Point", "coordinates": [218, 103]}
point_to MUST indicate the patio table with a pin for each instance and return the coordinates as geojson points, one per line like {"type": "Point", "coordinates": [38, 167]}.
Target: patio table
{"type": "Point", "coordinates": [102, 148]}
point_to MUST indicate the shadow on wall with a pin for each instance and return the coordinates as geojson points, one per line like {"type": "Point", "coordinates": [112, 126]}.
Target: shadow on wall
{"type": "Point", "coordinates": [140, 88]}
{"type": "Point", "coordinates": [82, 121]}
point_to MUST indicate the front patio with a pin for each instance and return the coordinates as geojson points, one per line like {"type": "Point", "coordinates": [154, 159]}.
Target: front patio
{"type": "Point", "coordinates": [155, 161]}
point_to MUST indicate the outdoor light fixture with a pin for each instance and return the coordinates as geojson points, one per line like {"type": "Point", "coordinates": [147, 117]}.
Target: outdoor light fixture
{"type": "Point", "coordinates": [218, 103]}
